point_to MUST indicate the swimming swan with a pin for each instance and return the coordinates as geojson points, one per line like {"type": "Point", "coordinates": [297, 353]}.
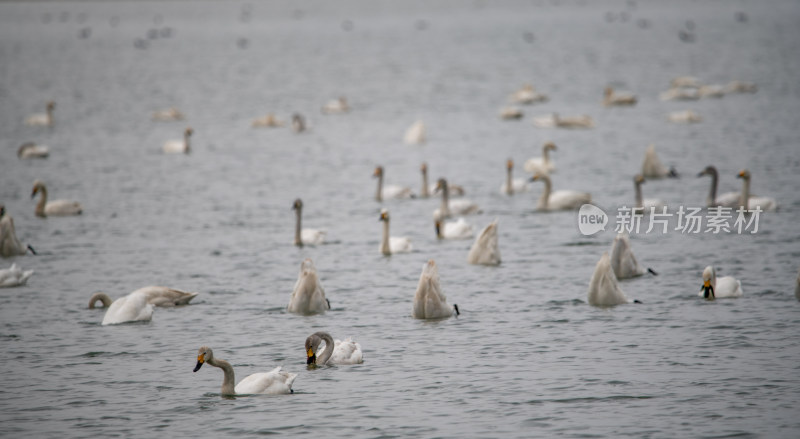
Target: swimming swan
{"type": "Point", "coordinates": [652, 166]}
{"type": "Point", "coordinates": [645, 205]}
{"type": "Point", "coordinates": [448, 208]}
{"type": "Point", "coordinates": [715, 288]}
{"type": "Point", "coordinates": [485, 250]}
{"type": "Point", "coordinates": [14, 276]}
{"type": "Point", "coordinates": [131, 308]}
{"type": "Point", "coordinates": [9, 243]}
{"type": "Point", "coordinates": [268, 121]}
{"type": "Point", "coordinates": [157, 296]}
{"type": "Point", "coordinates": [42, 119]}
{"type": "Point", "coordinates": [179, 146]}
{"type": "Point", "coordinates": [308, 296]}
{"type": "Point", "coordinates": [527, 95]}
{"type": "Point", "coordinates": [30, 150]}
{"type": "Point", "coordinates": [513, 185]}
{"type": "Point", "coordinates": [740, 87]}
{"type": "Point", "coordinates": [749, 202]}
{"type": "Point", "coordinates": [335, 351]}
{"type": "Point", "coordinates": [543, 163]}
{"type": "Point", "coordinates": [511, 113]}
{"type": "Point", "coordinates": [305, 236]}
{"type": "Point", "coordinates": [611, 99]}
{"type": "Point", "coordinates": [274, 382]}
{"type": "Point", "coordinates": [393, 244]}
{"type": "Point", "coordinates": [170, 114]}
{"type": "Point", "coordinates": [429, 301]}
{"type": "Point", "coordinates": [559, 200]}
{"type": "Point", "coordinates": [53, 208]}
{"type": "Point", "coordinates": [680, 94]}
{"type": "Point", "coordinates": [686, 116]}
{"type": "Point", "coordinates": [390, 191]}
{"type": "Point", "coordinates": [572, 122]}
{"type": "Point", "coordinates": [336, 106]}
{"type": "Point", "coordinates": [453, 229]}
{"type": "Point", "coordinates": [415, 134]}
{"type": "Point", "coordinates": [604, 289]}
{"type": "Point", "coordinates": [453, 190]}
{"type": "Point", "coordinates": [728, 199]}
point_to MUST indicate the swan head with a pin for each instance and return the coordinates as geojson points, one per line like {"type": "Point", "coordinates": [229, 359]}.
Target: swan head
{"type": "Point", "coordinates": [438, 225]}
{"type": "Point", "coordinates": [188, 132]}
{"type": "Point", "coordinates": [312, 347]}
{"type": "Point", "coordinates": [539, 176]}
{"type": "Point", "coordinates": [51, 106]}
{"type": "Point", "coordinates": [608, 91]}
{"type": "Point", "coordinates": [709, 170]}
{"type": "Point", "coordinates": [509, 164]}
{"type": "Point", "coordinates": [441, 184]}
{"type": "Point", "coordinates": [638, 179]}
{"type": "Point", "coordinates": [744, 173]}
{"type": "Point", "coordinates": [298, 204]}
{"type": "Point", "coordinates": [378, 171]}
{"type": "Point", "coordinates": [423, 167]}
{"type": "Point", "coordinates": [38, 185]}
{"type": "Point", "coordinates": [384, 215]}
{"type": "Point", "coordinates": [550, 145]}
{"type": "Point", "coordinates": [204, 354]}
{"type": "Point", "coordinates": [709, 280]}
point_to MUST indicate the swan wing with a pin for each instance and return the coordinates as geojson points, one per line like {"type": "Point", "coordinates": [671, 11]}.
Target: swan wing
{"type": "Point", "coordinates": [14, 276]}
{"type": "Point", "coordinates": [728, 199]}
{"type": "Point", "coordinates": [459, 229]}
{"type": "Point", "coordinates": [485, 249]}
{"type": "Point", "coordinates": [463, 207]}
{"type": "Point", "coordinates": [395, 191]}
{"type": "Point", "coordinates": [346, 352]}
{"type": "Point", "coordinates": [130, 308]}
{"type": "Point", "coordinates": [274, 382]}
{"type": "Point", "coordinates": [765, 203]}
{"type": "Point", "coordinates": [400, 244]}
{"type": "Point", "coordinates": [604, 289]}
{"type": "Point", "coordinates": [728, 286]}
{"type": "Point", "coordinates": [308, 296]}
{"type": "Point", "coordinates": [166, 297]}
{"type": "Point", "coordinates": [567, 200]}
{"type": "Point", "coordinates": [623, 262]}
{"type": "Point", "coordinates": [312, 236]}
{"type": "Point", "coordinates": [62, 207]}
{"type": "Point", "coordinates": [174, 147]}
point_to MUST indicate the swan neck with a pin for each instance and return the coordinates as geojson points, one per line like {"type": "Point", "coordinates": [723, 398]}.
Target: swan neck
{"type": "Point", "coordinates": [186, 142]}
{"type": "Point", "coordinates": [509, 179]}
{"type": "Point", "coordinates": [229, 380]}
{"type": "Point", "coordinates": [103, 297]}
{"type": "Point", "coordinates": [445, 207]}
{"type": "Point", "coordinates": [297, 227]}
{"type": "Point", "coordinates": [424, 192]}
{"type": "Point", "coordinates": [712, 195]}
{"type": "Point", "coordinates": [379, 194]}
{"type": "Point", "coordinates": [745, 196]}
{"type": "Point", "coordinates": [328, 352]}
{"type": "Point", "coordinates": [545, 156]}
{"type": "Point", "coordinates": [385, 240]}
{"type": "Point", "coordinates": [639, 200]}
{"type": "Point", "coordinates": [42, 202]}
{"type": "Point", "coordinates": [545, 198]}
{"type": "Point", "coordinates": [49, 115]}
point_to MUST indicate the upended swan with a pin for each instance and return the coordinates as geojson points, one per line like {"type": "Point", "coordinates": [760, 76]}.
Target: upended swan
{"type": "Point", "coordinates": [9, 243]}
{"type": "Point", "coordinates": [429, 301]}
{"type": "Point", "coordinates": [611, 99]}
{"type": "Point", "coordinates": [131, 308]}
{"type": "Point", "coordinates": [485, 250]}
{"type": "Point", "coordinates": [305, 236]}
{"type": "Point", "coordinates": [164, 297]}
{"type": "Point", "coordinates": [267, 121]}
{"type": "Point", "coordinates": [274, 382]}
{"type": "Point", "coordinates": [308, 296]}
{"type": "Point", "coordinates": [644, 205]}
{"type": "Point", "coordinates": [751, 202]}
{"type": "Point", "coordinates": [42, 119]}
{"type": "Point", "coordinates": [53, 208]}
{"type": "Point", "coordinates": [179, 146]}
{"type": "Point", "coordinates": [459, 229]}
{"type": "Point", "coordinates": [415, 134]}
{"type": "Point", "coordinates": [170, 114]}
{"type": "Point", "coordinates": [728, 199]}
{"type": "Point", "coordinates": [561, 199]}
{"type": "Point", "coordinates": [30, 150]}
{"type": "Point", "coordinates": [652, 166]}
{"type": "Point", "coordinates": [14, 276]}
{"type": "Point", "coordinates": [334, 352]}
{"type": "Point", "coordinates": [715, 288]}
{"type": "Point", "coordinates": [543, 163]}
{"type": "Point", "coordinates": [604, 289]}
{"type": "Point", "coordinates": [448, 208]}
{"type": "Point", "coordinates": [623, 262]}
{"type": "Point", "coordinates": [389, 191]}
{"type": "Point", "coordinates": [392, 244]}
{"type": "Point", "coordinates": [513, 185]}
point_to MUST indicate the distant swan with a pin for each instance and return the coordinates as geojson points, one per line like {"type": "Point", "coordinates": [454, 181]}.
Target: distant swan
{"type": "Point", "coordinates": [273, 382]}
{"type": "Point", "coordinates": [645, 204]}
{"type": "Point", "coordinates": [448, 208]}
{"type": "Point", "coordinates": [53, 208]}
{"type": "Point", "coordinates": [335, 352]}
{"type": "Point", "coordinates": [42, 119]}
{"type": "Point", "coordinates": [511, 113]}
{"type": "Point", "coordinates": [740, 87]}
{"type": "Point", "coordinates": [485, 250]}
{"type": "Point", "coordinates": [543, 163]}
{"type": "Point", "coordinates": [305, 236]}
{"type": "Point", "coordinates": [170, 114]}
{"type": "Point", "coordinates": [308, 296]}
{"type": "Point", "coordinates": [415, 134]}
{"type": "Point", "coordinates": [610, 98]}
{"type": "Point", "coordinates": [680, 94]}
{"type": "Point", "coordinates": [513, 185]}
{"type": "Point", "coordinates": [157, 296]}
{"type": "Point", "coordinates": [453, 190]}
{"type": "Point", "coordinates": [393, 244]}
{"type": "Point", "coordinates": [389, 191]}
{"type": "Point", "coordinates": [750, 202]}
{"type": "Point", "coordinates": [298, 123]}
{"type": "Point", "coordinates": [728, 199]}
{"type": "Point", "coordinates": [14, 276]}
{"type": "Point", "coordinates": [604, 289]}
{"type": "Point", "coordinates": [179, 146]}
{"type": "Point", "coordinates": [652, 166]}
{"type": "Point", "coordinates": [685, 81]}
{"type": "Point", "coordinates": [336, 106]}
{"type": "Point", "coordinates": [268, 121]}
{"type": "Point", "coordinates": [527, 95]}
{"type": "Point", "coordinates": [30, 150]}
{"type": "Point", "coordinates": [559, 200]}
{"type": "Point", "coordinates": [131, 308]}
{"type": "Point", "coordinates": [711, 91]}
{"type": "Point", "coordinates": [572, 122]}
{"type": "Point", "coordinates": [623, 262]}
{"type": "Point", "coordinates": [686, 116]}
{"type": "Point", "coordinates": [715, 288]}
{"type": "Point", "coordinates": [429, 301]}
{"type": "Point", "coordinates": [453, 229]}
{"type": "Point", "coordinates": [9, 243]}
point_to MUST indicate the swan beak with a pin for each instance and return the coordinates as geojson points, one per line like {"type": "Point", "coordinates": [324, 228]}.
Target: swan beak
{"type": "Point", "coordinates": [200, 362]}
{"type": "Point", "coordinates": [312, 359]}
{"type": "Point", "coordinates": [534, 178]}
{"type": "Point", "coordinates": [35, 190]}
{"type": "Point", "coordinates": [708, 290]}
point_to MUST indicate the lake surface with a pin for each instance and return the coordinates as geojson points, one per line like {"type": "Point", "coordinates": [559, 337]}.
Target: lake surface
{"type": "Point", "coordinates": [527, 357]}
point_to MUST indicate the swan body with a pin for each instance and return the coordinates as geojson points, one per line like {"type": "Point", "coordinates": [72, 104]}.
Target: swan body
{"type": "Point", "coordinates": [14, 276]}
{"type": "Point", "coordinates": [612, 99]}
{"type": "Point", "coordinates": [298, 123]}
{"type": "Point", "coordinates": [336, 106]}
{"type": "Point", "coordinates": [740, 87]}
{"type": "Point", "coordinates": [415, 134]}
{"type": "Point", "coordinates": [274, 382]}
{"type": "Point", "coordinates": [751, 202]}
{"type": "Point", "coordinates": [459, 229]}
{"type": "Point", "coordinates": [728, 199]}
{"type": "Point", "coordinates": [645, 205]}
{"type": "Point", "coordinates": [131, 308]}
{"type": "Point", "coordinates": [42, 119]}
{"type": "Point", "coordinates": [652, 166]}
{"type": "Point", "coordinates": [179, 146]}
{"type": "Point", "coordinates": [711, 91]}
{"type": "Point", "coordinates": [334, 352]}
{"type": "Point", "coordinates": [513, 185]}
{"type": "Point", "coordinates": [308, 296]}
{"type": "Point", "coordinates": [559, 200]}
{"type": "Point", "coordinates": [715, 288]}
{"type": "Point", "coordinates": [53, 208]}
{"type": "Point", "coordinates": [170, 114]}
{"type": "Point", "coordinates": [527, 95]}
{"type": "Point", "coordinates": [268, 121]}
{"type": "Point", "coordinates": [685, 82]}
{"type": "Point", "coordinates": [485, 250]}
{"type": "Point", "coordinates": [305, 236]}
{"type": "Point", "coordinates": [30, 150]}
{"type": "Point", "coordinates": [571, 122]}
{"type": "Point", "coordinates": [680, 94]}
{"type": "Point", "coordinates": [392, 244]}
{"type": "Point", "coordinates": [9, 243]}
{"type": "Point", "coordinates": [511, 113]}
{"type": "Point", "coordinates": [623, 262]}
{"type": "Point", "coordinates": [604, 289]}
{"type": "Point", "coordinates": [448, 207]}
{"type": "Point", "coordinates": [429, 301]}
{"type": "Point", "coordinates": [686, 116]}
{"type": "Point", "coordinates": [157, 296]}
{"type": "Point", "coordinates": [542, 164]}
{"type": "Point", "coordinates": [389, 191]}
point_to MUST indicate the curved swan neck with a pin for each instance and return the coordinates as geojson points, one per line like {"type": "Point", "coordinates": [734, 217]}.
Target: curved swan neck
{"type": "Point", "coordinates": [744, 198]}
{"type": "Point", "coordinates": [509, 180]}
{"type": "Point", "coordinates": [297, 226]}
{"type": "Point", "coordinates": [639, 201]}
{"type": "Point", "coordinates": [712, 195]}
{"type": "Point", "coordinates": [545, 198]}
{"type": "Point", "coordinates": [103, 297]}
{"type": "Point", "coordinates": [424, 192]}
{"type": "Point", "coordinates": [385, 249]}
{"type": "Point", "coordinates": [229, 380]}
{"type": "Point", "coordinates": [328, 352]}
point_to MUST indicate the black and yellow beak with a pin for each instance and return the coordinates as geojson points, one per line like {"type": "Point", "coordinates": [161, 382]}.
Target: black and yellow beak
{"type": "Point", "coordinates": [383, 217]}
{"type": "Point", "coordinates": [200, 362]}
{"type": "Point", "coordinates": [312, 357]}
{"type": "Point", "coordinates": [708, 290]}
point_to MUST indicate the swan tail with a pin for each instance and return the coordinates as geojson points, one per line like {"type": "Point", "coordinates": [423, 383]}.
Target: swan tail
{"type": "Point", "coordinates": [32, 250]}
{"type": "Point", "coordinates": [651, 271]}
{"type": "Point", "coordinates": [455, 307]}
{"type": "Point", "coordinates": [637, 301]}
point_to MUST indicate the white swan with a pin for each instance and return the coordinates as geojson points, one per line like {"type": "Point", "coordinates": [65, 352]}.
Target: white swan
{"type": "Point", "coordinates": [485, 250]}
{"type": "Point", "coordinates": [42, 119]}
{"type": "Point", "coordinates": [157, 296]}
{"type": "Point", "coordinates": [179, 146]}
{"type": "Point", "coordinates": [527, 95]}
{"type": "Point", "coordinates": [9, 243]}
{"type": "Point", "coordinates": [572, 122]}
{"type": "Point", "coordinates": [685, 81]}
{"type": "Point", "coordinates": [611, 99]}
{"type": "Point", "coordinates": [715, 288]}
{"type": "Point", "coordinates": [393, 244]}
{"type": "Point", "coordinates": [131, 308]}
{"type": "Point", "coordinates": [686, 116]}
{"type": "Point", "coordinates": [334, 352]}
{"type": "Point", "coordinates": [711, 91]}
{"type": "Point", "coordinates": [740, 87]}
{"type": "Point", "coordinates": [652, 166]}
{"type": "Point", "coordinates": [308, 296]}
{"type": "Point", "coordinates": [728, 199]}
{"type": "Point", "coordinates": [750, 202]}
{"type": "Point", "coordinates": [680, 94]}
{"type": "Point", "coordinates": [459, 229]}
{"type": "Point", "coordinates": [336, 106]}
{"type": "Point", "coordinates": [170, 114]}
{"type": "Point", "coordinates": [389, 191]}
{"type": "Point", "coordinates": [604, 289]}
{"type": "Point", "coordinates": [623, 262]}
{"type": "Point", "coordinates": [30, 150]}
{"type": "Point", "coordinates": [298, 123]}
{"type": "Point", "coordinates": [511, 113]}
{"type": "Point", "coordinates": [448, 208]}
{"type": "Point", "coordinates": [14, 276]}
{"type": "Point", "coordinates": [645, 205]}
{"type": "Point", "coordinates": [415, 134]}
{"type": "Point", "coordinates": [274, 382]}
{"type": "Point", "coordinates": [305, 236]}
{"type": "Point", "coordinates": [53, 208]}
{"type": "Point", "coordinates": [513, 185]}
{"type": "Point", "coordinates": [429, 301]}
{"type": "Point", "coordinates": [559, 200]}
{"type": "Point", "coordinates": [268, 121]}
{"type": "Point", "coordinates": [543, 163]}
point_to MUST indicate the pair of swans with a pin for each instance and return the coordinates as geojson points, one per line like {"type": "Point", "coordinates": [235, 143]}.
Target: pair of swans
{"type": "Point", "coordinates": [748, 201]}
{"type": "Point", "coordinates": [30, 150]}
{"type": "Point", "coordinates": [554, 120]}
{"type": "Point", "coordinates": [429, 301]}
{"type": "Point", "coordinates": [542, 164]}
{"type": "Point", "coordinates": [736, 199]}
{"type": "Point", "coordinates": [9, 243]}
{"type": "Point", "coordinates": [453, 190]}
{"type": "Point", "coordinates": [561, 199]}
{"type": "Point", "coordinates": [334, 351]}
{"type": "Point", "coordinates": [139, 305]}
{"type": "Point", "coordinates": [53, 208]}
{"type": "Point", "coordinates": [485, 249]}
{"type": "Point", "coordinates": [644, 205]}
{"type": "Point", "coordinates": [612, 99]}
{"type": "Point", "coordinates": [652, 166]}
{"type": "Point", "coordinates": [714, 288]}
{"type": "Point", "coordinates": [686, 116]}
{"type": "Point", "coordinates": [274, 382]}
{"type": "Point", "coordinates": [389, 191]}
{"type": "Point", "coordinates": [415, 134]}
{"type": "Point", "coordinates": [305, 236]}
{"type": "Point", "coordinates": [267, 121]}
{"type": "Point", "coordinates": [179, 146]}
{"type": "Point", "coordinates": [308, 296]}
{"type": "Point", "coordinates": [458, 229]}
{"type": "Point", "coordinates": [336, 106]}
{"type": "Point", "coordinates": [170, 114]}
{"type": "Point", "coordinates": [448, 208]}
{"type": "Point", "coordinates": [528, 95]}
{"type": "Point", "coordinates": [42, 119]}
{"type": "Point", "coordinates": [14, 276]}
{"type": "Point", "coordinates": [392, 244]}
{"type": "Point", "coordinates": [513, 185]}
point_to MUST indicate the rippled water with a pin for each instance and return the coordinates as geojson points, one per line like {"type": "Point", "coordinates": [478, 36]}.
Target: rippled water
{"type": "Point", "coordinates": [528, 357]}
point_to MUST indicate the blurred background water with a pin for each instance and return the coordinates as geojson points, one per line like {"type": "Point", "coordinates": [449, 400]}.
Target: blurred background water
{"type": "Point", "coordinates": [528, 357]}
